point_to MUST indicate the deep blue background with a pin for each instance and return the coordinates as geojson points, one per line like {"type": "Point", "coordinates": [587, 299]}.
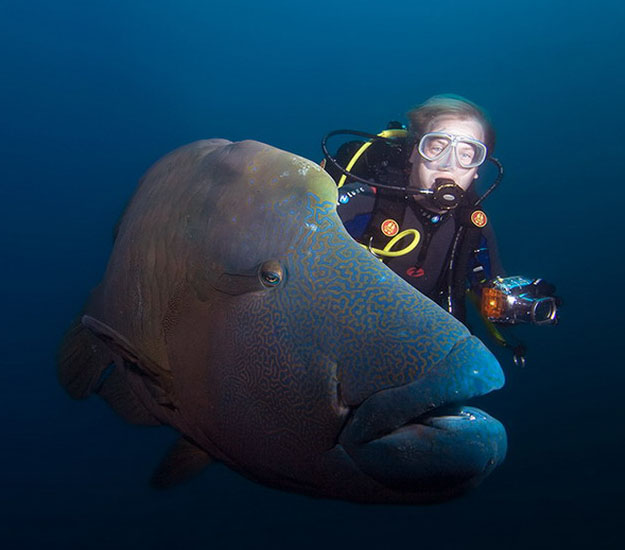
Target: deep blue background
{"type": "Point", "coordinates": [91, 93]}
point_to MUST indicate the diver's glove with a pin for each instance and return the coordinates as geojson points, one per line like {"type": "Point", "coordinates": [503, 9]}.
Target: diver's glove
{"type": "Point", "coordinates": [518, 299]}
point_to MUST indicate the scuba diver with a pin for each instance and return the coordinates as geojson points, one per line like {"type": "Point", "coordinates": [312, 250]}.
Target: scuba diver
{"type": "Point", "coordinates": [409, 196]}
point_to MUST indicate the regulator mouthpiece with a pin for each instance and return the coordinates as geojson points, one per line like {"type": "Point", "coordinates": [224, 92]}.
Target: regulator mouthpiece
{"type": "Point", "coordinates": [447, 194]}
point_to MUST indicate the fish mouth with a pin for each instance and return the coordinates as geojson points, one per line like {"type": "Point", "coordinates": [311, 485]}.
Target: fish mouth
{"type": "Point", "coordinates": [446, 417]}
{"type": "Point", "coordinates": [422, 437]}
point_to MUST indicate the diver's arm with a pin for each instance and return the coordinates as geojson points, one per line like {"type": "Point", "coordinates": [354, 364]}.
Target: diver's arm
{"type": "Point", "coordinates": [490, 243]}
{"type": "Point", "coordinates": [355, 206]}
{"type": "Point", "coordinates": [484, 261]}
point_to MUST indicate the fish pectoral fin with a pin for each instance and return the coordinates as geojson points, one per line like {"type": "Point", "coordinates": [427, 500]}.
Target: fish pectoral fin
{"type": "Point", "coordinates": [183, 461]}
{"type": "Point", "coordinates": [114, 389]}
{"type": "Point", "coordinates": [82, 359]}
{"type": "Point", "coordinates": [119, 345]}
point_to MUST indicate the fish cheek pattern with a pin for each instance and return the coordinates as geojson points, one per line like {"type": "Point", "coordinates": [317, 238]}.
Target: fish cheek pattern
{"type": "Point", "coordinates": [382, 332]}
{"type": "Point", "coordinates": [279, 399]}
{"type": "Point", "coordinates": [276, 400]}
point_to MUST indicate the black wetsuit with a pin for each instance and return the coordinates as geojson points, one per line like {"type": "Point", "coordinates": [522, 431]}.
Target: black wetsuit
{"type": "Point", "coordinates": [365, 210]}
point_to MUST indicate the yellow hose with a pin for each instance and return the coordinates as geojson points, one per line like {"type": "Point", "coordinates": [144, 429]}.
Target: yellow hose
{"type": "Point", "coordinates": [365, 146]}
{"type": "Point", "coordinates": [388, 253]}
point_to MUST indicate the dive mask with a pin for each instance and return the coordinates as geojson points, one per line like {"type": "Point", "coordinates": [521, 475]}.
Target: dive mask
{"type": "Point", "coordinates": [438, 146]}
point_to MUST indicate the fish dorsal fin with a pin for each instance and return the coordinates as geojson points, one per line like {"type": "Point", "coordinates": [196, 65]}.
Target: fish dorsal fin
{"type": "Point", "coordinates": [183, 461]}
{"type": "Point", "coordinates": [120, 345]}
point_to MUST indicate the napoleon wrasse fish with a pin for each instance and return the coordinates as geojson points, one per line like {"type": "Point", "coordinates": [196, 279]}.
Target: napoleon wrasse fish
{"type": "Point", "coordinates": [236, 309]}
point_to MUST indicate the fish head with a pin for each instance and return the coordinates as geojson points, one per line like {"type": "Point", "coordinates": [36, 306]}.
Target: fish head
{"type": "Point", "coordinates": [320, 369]}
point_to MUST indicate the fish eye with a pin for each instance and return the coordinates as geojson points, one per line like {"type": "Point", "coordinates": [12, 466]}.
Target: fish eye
{"type": "Point", "coordinates": [271, 273]}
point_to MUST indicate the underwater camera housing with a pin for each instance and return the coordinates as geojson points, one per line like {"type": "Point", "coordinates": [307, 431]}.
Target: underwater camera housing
{"type": "Point", "coordinates": [519, 299]}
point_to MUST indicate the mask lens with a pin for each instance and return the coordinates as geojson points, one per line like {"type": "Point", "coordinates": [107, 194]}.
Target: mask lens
{"type": "Point", "coordinates": [470, 153]}
{"type": "Point", "coordinates": [433, 146]}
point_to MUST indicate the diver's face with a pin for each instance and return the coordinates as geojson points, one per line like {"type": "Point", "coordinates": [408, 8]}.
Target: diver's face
{"type": "Point", "coordinates": [424, 172]}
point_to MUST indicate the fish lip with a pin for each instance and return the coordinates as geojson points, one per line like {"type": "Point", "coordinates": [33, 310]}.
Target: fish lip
{"type": "Point", "coordinates": [452, 382]}
{"type": "Point", "coordinates": [446, 417]}
{"type": "Point", "coordinates": [413, 441]}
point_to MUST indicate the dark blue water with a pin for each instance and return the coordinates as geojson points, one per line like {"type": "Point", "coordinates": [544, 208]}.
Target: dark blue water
{"type": "Point", "coordinates": [92, 93]}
